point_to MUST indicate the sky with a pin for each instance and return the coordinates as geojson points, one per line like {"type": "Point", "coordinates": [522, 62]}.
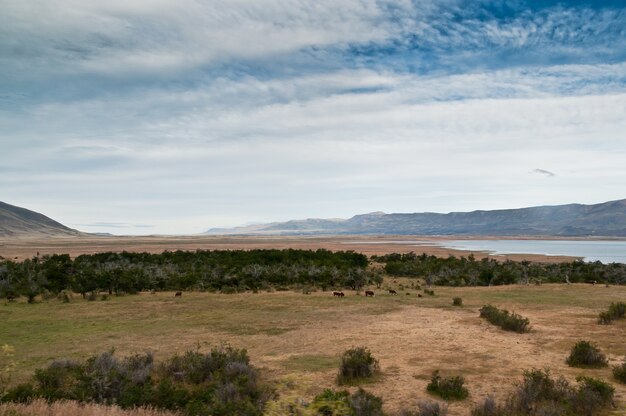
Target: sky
{"type": "Point", "coordinates": [173, 117]}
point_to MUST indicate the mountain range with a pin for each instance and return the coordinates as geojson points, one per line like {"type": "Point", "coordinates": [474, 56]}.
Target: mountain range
{"type": "Point", "coordinates": [607, 219]}
{"type": "Point", "coordinates": [573, 220]}
{"type": "Point", "coordinates": [21, 222]}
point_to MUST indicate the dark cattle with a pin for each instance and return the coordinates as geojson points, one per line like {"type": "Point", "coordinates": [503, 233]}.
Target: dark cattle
{"type": "Point", "coordinates": [392, 292]}
{"type": "Point", "coordinates": [369, 293]}
{"type": "Point", "coordinates": [338, 294]}
{"type": "Point", "coordinates": [178, 294]}
{"type": "Point", "coordinates": [408, 294]}
{"type": "Point", "coordinates": [419, 295]}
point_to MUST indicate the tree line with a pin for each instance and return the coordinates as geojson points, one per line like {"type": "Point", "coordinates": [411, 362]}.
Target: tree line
{"type": "Point", "coordinates": [218, 270]}
{"type": "Point", "coordinates": [467, 271]}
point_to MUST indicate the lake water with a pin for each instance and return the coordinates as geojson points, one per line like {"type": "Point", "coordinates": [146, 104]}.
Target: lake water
{"type": "Point", "coordinates": [604, 251]}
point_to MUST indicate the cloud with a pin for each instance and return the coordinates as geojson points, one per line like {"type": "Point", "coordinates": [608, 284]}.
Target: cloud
{"type": "Point", "coordinates": [186, 115]}
{"type": "Point", "coordinates": [543, 172]}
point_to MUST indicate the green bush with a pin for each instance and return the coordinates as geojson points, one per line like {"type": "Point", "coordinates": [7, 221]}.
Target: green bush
{"type": "Point", "coordinates": [220, 382]}
{"type": "Point", "coordinates": [448, 388]}
{"type": "Point", "coordinates": [457, 301]}
{"type": "Point", "coordinates": [585, 354]}
{"type": "Point", "coordinates": [341, 403]}
{"type": "Point", "coordinates": [504, 319]}
{"type": "Point", "coordinates": [619, 372]}
{"type": "Point", "coordinates": [540, 394]}
{"type": "Point", "coordinates": [357, 363]}
{"type": "Point", "coordinates": [617, 310]}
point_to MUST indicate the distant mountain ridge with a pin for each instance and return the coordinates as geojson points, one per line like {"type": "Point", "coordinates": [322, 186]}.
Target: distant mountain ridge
{"type": "Point", "coordinates": [607, 219]}
{"type": "Point", "coordinates": [21, 222]}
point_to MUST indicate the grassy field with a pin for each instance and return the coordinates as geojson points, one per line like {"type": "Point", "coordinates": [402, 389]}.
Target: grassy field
{"type": "Point", "coordinates": [297, 339]}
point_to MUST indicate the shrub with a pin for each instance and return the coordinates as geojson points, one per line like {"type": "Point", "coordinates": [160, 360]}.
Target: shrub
{"type": "Point", "coordinates": [427, 409]}
{"type": "Point", "coordinates": [429, 292]}
{"type": "Point", "coordinates": [540, 394]}
{"type": "Point", "coordinates": [331, 403]}
{"type": "Point", "coordinates": [366, 404]}
{"type": "Point", "coordinates": [592, 395]}
{"type": "Point", "coordinates": [488, 407]}
{"type": "Point", "coordinates": [615, 311]}
{"type": "Point", "coordinates": [357, 363]}
{"type": "Point", "coordinates": [504, 319]}
{"type": "Point", "coordinates": [457, 301]}
{"type": "Point", "coordinates": [448, 388]}
{"type": "Point", "coordinates": [619, 372]}
{"type": "Point", "coordinates": [220, 382]}
{"type": "Point", "coordinates": [340, 403]}
{"type": "Point", "coordinates": [585, 354]}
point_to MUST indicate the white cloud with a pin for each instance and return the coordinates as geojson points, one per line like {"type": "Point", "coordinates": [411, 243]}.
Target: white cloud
{"type": "Point", "coordinates": [97, 137]}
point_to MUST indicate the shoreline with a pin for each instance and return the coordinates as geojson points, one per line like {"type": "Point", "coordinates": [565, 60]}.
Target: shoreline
{"type": "Point", "coordinates": [23, 248]}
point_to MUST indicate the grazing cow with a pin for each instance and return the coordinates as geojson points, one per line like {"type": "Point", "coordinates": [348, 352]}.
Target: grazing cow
{"type": "Point", "coordinates": [392, 292]}
{"type": "Point", "coordinates": [338, 294]}
{"type": "Point", "coordinates": [178, 294]}
{"type": "Point", "coordinates": [419, 295]}
{"type": "Point", "coordinates": [369, 293]}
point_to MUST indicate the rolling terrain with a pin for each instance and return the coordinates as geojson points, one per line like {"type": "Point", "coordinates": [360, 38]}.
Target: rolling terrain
{"type": "Point", "coordinates": [21, 222]}
{"type": "Point", "coordinates": [573, 220]}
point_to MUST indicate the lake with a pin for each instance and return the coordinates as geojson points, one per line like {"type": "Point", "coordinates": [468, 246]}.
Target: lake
{"type": "Point", "coordinates": [605, 251]}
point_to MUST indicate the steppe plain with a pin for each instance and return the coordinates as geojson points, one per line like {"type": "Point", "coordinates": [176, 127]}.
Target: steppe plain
{"type": "Point", "coordinates": [296, 339]}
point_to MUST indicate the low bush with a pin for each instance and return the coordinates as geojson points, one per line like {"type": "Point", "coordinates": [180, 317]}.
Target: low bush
{"type": "Point", "coordinates": [585, 354]}
{"type": "Point", "coordinates": [617, 310]}
{"type": "Point", "coordinates": [448, 388]}
{"type": "Point", "coordinates": [429, 292]}
{"type": "Point", "coordinates": [220, 382]}
{"type": "Point", "coordinates": [619, 372]}
{"type": "Point", "coordinates": [504, 319]}
{"type": "Point", "coordinates": [540, 394]}
{"type": "Point", "coordinates": [457, 301]}
{"type": "Point", "coordinates": [357, 363]}
{"type": "Point", "coordinates": [340, 403]}
{"type": "Point", "coordinates": [488, 407]}
{"type": "Point", "coordinates": [427, 409]}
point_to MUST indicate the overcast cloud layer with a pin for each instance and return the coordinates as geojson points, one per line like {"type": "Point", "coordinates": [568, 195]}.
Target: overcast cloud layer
{"type": "Point", "coordinates": [155, 116]}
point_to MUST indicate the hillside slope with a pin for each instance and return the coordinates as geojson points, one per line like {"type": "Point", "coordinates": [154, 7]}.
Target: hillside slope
{"type": "Point", "coordinates": [572, 220]}
{"type": "Point", "coordinates": [21, 222]}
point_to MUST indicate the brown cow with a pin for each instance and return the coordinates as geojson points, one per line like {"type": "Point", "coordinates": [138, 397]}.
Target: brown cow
{"type": "Point", "coordinates": [178, 294]}
{"type": "Point", "coordinates": [369, 293]}
{"type": "Point", "coordinates": [392, 292]}
{"type": "Point", "coordinates": [338, 294]}
{"type": "Point", "coordinates": [419, 295]}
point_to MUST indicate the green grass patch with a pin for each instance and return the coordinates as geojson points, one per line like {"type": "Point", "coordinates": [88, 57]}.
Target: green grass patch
{"type": "Point", "coordinates": [312, 363]}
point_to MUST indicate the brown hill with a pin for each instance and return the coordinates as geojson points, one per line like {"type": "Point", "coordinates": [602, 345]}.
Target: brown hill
{"type": "Point", "coordinates": [21, 222]}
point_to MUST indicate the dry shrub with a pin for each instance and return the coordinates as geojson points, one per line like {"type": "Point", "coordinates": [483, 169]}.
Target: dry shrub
{"type": "Point", "coordinates": [541, 395]}
{"type": "Point", "coordinates": [357, 363]}
{"type": "Point", "coordinates": [70, 408]}
{"type": "Point", "coordinates": [586, 354]}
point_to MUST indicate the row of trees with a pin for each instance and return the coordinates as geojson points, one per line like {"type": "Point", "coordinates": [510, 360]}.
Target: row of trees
{"type": "Point", "coordinates": [236, 270]}
{"type": "Point", "coordinates": [453, 271]}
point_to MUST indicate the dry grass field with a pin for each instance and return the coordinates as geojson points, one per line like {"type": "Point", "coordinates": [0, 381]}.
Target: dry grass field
{"type": "Point", "coordinates": [297, 339]}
